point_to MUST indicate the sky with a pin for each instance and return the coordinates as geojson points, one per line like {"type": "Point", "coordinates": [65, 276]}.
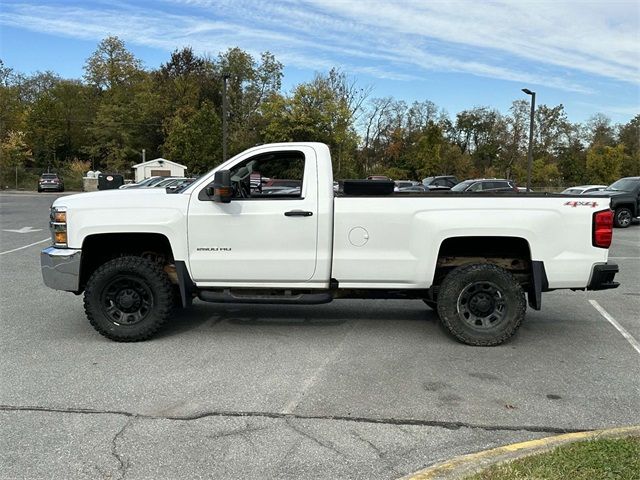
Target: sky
{"type": "Point", "coordinates": [457, 54]}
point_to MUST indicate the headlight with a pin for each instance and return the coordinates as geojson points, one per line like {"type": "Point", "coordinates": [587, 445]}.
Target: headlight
{"type": "Point", "coordinates": [58, 226]}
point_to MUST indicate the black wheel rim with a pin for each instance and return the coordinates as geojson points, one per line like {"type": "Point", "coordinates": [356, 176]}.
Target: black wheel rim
{"type": "Point", "coordinates": [482, 306]}
{"type": "Point", "coordinates": [624, 218]}
{"type": "Point", "coordinates": [126, 300]}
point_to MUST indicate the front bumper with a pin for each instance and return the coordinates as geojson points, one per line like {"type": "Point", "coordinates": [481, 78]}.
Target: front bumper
{"type": "Point", "coordinates": [602, 277]}
{"type": "Point", "coordinates": [61, 268]}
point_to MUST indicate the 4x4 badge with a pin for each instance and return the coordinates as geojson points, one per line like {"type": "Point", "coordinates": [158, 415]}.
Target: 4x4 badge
{"type": "Point", "coordinates": [581, 204]}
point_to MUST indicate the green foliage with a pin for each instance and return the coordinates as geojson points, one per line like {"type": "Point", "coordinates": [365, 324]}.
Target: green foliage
{"type": "Point", "coordinates": [604, 163]}
{"type": "Point", "coordinates": [119, 108]}
{"type": "Point", "coordinates": [111, 65]}
{"type": "Point", "coordinates": [194, 139]}
{"type": "Point", "coordinates": [318, 111]}
{"type": "Point", "coordinates": [57, 122]}
{"type": "Point", "coordinates": [14, 156]}
{"type": "Point", "coordinates": [544, 173]}
{"type": "Point", "coordinates": [73, 172]}
{"type": "Point", "coordinates": [14, 151]}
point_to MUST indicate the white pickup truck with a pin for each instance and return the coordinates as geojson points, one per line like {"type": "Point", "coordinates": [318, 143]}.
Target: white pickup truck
{"type": "Point", "coordinates": [267, 227]}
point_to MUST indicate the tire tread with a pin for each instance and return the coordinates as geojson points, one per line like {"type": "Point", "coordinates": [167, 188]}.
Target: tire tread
{"type": "Point", "coordinates": [162, 290]}
{"type": "Point", "coordinates": [449, 289]}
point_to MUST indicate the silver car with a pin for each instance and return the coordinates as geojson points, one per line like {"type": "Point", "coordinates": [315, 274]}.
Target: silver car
{"type": "Point", "coordinates": [583, 189]}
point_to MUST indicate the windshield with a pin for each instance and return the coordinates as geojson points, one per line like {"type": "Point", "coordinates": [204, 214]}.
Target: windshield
{"type": "Point", "coordinates": [49, 175]}
{"type": "Point", "coordinates": [624, 185]}
{"type": "Point", "coordinates": [462, 186]}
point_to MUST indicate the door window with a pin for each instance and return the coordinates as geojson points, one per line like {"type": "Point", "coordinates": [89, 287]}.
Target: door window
{"type": "Point", "coordinates": [269, 176]}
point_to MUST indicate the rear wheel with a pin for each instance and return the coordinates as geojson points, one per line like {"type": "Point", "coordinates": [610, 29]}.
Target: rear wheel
{"type": "Point", "coordinates": [128, 299]}
{"type": "Point", "coordinates": [622, 217]}
{"type": "Point", "coordinates": [481, 305]}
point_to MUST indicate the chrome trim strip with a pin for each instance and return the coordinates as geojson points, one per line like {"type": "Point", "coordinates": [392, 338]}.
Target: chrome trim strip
{"type": "Point", "coordinates": [61, 268]}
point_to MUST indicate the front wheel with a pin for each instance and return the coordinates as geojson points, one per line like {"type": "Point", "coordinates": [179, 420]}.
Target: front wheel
{"type": "Point", "coordinates": [128, 299]}
{"type": "Point", "coordinates": [481, 305]}
{"type": "Point", "coordinates": [622, 217]}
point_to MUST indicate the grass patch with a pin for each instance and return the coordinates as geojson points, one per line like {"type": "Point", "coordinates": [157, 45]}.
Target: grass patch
{"type": "Point", "coordinates": [602, 459]}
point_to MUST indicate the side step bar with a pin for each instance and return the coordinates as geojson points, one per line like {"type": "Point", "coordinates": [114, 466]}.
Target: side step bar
{"type": "Point", "coordinates": [229, 296]}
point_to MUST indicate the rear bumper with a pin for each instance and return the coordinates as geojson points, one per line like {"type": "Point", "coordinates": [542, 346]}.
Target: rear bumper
{"type": "Point", "coordinates": [61, 268]}
{"type": "Point", "coordinates": [602, 277]}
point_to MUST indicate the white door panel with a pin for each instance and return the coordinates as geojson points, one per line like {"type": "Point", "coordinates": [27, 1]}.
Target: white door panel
{"type": "Point", "coordinates": [252, 240]}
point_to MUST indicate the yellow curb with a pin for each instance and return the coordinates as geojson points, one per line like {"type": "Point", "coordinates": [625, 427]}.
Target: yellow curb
{"type": "Point", "coordinates": [471, 463]}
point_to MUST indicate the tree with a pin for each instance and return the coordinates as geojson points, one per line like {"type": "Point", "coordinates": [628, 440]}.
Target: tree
{"type": "Point", "coordinates": [604, 163]}
{"type": "Point", "coordinates": [599, 131]}
{"type": "Point", "coordinates": [629, 136]}
{"type": "Point", "coordinates": [14, 154]}
{"type": "Point", "coordinates": [58, 122]}
{"type": "Point", "coordinates": [250, 85]}
{"type": "Point", "coordinates": [315, 112]}
{"type": "Point", "coordinates": [111, 65]}
{"type": "Point", "coordinates": [186, 81]}
{"type": "Point", "coordinates": [195, 139]}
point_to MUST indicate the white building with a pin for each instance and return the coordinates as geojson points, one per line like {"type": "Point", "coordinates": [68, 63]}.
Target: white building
{"type": "Point", "coordinates": [158, 167]}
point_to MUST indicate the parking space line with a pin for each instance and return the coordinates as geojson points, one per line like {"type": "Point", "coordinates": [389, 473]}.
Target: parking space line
{"type": "Point", "coordinates": [311, 381]}
{"type": "Point", "coordinates": [26, 246]}
{"type": "Point", "coordinates": [634, 343]}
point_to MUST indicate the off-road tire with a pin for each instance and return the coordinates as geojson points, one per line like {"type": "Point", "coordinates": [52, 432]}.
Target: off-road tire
{"type": "Point", "coordinates": [147, 278]}
{"type": "Point", "coordinates": [492, 286]}
{"type": "Point", "coordinates": [622, 217]}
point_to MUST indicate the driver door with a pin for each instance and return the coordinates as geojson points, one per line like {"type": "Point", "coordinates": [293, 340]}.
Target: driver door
{"type": "Point", "coordinates": [268, 232]}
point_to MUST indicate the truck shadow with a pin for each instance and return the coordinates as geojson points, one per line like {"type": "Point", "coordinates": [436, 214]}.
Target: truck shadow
{"type": "Point", "coordinates": [201, 314]}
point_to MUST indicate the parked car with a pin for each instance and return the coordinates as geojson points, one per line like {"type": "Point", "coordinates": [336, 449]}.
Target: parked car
{"type": "Point", "coordinates": [412, 188]}
{"type": "Point", "coordinates": [399, 184]}
{"type": "Point", "coordinates": [625, 200]}
{"type": "Point", "coordinates": [147, 182]}
{"type": "Point", "coordinates": [583, 189]}
{"type": "Point", "coordinates": [282, 182]}
{"type": "Point", "coordinates": [50, 182]}
{"type": "Point", "coordinates": [486, 185]}
{"type": "Point", "coordinates": [166, 182]}
{"type": "Point", "coordinates": [180, 184]}
{"type": "Point", "coordinates": [378, 177]}
{"type": "Point", "coordinates": [443, 182]}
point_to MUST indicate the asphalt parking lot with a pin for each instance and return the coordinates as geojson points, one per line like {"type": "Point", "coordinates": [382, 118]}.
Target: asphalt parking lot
{"type": "Point", "coordinates": [352, 389]}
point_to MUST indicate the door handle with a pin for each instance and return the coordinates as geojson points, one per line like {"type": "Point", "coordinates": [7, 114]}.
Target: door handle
{"type": "Point", "coordinates": [297, 213]}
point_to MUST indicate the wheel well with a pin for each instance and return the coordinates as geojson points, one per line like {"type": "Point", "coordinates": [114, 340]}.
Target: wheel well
{"type": "Point", "coordinates": [630, 206]}
{"type": "Point", "coordinates": [511, 253]}
{"type": "Point", "coordinates": [98, 249]}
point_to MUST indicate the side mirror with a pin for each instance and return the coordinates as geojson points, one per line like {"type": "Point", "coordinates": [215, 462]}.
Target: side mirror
{"type": "Point", "coordinates": [221, 191]}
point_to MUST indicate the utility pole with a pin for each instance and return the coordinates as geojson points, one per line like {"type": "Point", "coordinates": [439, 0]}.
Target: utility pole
{"type": "Point", "coordinates": [225, 108]}
{"type": "Point", "coordinates": [144, 155]}
{"type": "Point", "coordinates": [531, 121]}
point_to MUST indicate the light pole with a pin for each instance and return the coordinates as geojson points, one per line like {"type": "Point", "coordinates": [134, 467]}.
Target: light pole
{"type": "Point", "coordinates": [530, 152]}
{"type": "Point", "coordinates": [225, 107]}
